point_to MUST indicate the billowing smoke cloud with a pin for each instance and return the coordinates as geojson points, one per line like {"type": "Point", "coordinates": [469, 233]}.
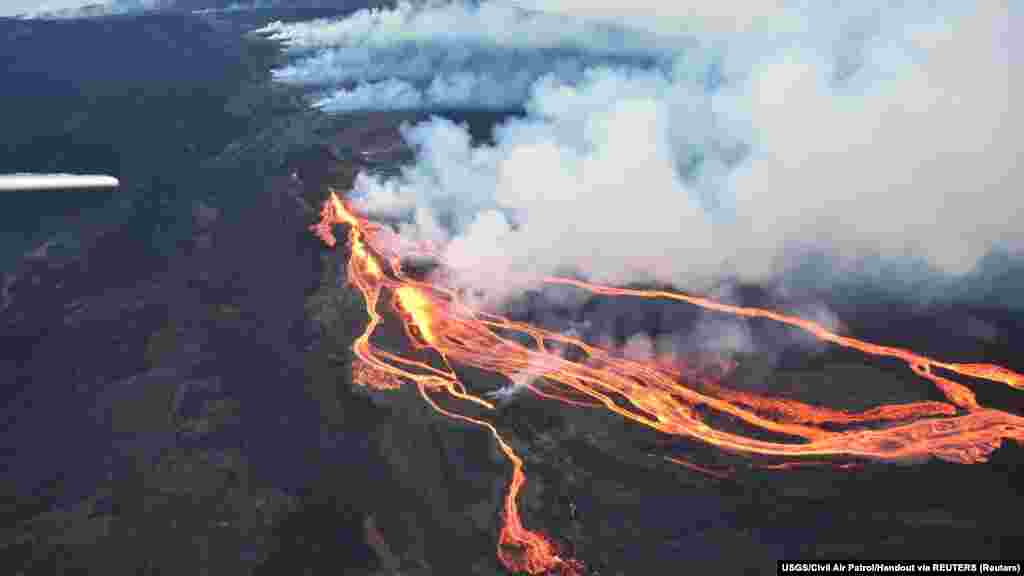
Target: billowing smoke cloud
{"type": "Point", "coordinates": [718, 139]}
{"type": "Point", "coordinates": [453, 55]}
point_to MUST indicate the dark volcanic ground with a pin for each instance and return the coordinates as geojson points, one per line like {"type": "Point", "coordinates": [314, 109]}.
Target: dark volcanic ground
{"type": "Point", "coordinates": [177, 394]}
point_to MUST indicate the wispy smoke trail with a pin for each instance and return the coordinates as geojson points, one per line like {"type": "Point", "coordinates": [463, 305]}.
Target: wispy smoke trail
{"type": "Point", "coordinates": [71, 9]}
{"type": "Point", "coordinates": [719, 139]}
{"type": "Point", "coordinates": [65, 9]}
{"type": "Point", "coordinates": [453, 55]}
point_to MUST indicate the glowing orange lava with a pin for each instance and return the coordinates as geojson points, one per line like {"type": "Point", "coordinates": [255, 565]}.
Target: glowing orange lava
{"type": "Point", "coordinates": [656, 393]}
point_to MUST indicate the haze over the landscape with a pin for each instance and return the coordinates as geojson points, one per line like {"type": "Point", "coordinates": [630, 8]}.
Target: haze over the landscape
{"type": "Point", "coordinates": [223, 359]}
{"type": "Point", "coordinates": [33, 7]}
{"type": "Point", "coordinates": [93, 8]}
{"type": "Point", "coordinates": [713, 140]}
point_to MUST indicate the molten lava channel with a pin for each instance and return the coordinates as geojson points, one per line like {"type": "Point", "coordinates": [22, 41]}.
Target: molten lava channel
{"type": "Point", "coordinates": [656, 393]}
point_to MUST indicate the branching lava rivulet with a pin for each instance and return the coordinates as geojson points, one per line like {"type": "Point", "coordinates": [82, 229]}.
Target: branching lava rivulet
{"type": "Point", "coordinates": [958, 430]}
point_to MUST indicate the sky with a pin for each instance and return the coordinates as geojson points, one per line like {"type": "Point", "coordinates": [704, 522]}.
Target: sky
{"type": "Point", "coordinates": [705, 140]}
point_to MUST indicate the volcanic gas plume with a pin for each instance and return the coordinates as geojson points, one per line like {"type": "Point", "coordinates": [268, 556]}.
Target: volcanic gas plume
{"type": "Point", "coordinates": [686, 144]}
{"type": "Point", "coordinates": [657, 394]}
{"type": "Point", "coordinates": [791, 144]}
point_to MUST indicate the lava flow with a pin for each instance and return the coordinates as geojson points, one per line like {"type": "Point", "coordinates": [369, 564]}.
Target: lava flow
{"type": "Point", "coordinates": [652, 393]}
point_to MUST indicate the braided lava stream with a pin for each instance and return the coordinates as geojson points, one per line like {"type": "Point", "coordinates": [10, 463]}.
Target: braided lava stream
{"type": "Point", "coordinates": [656, 393]}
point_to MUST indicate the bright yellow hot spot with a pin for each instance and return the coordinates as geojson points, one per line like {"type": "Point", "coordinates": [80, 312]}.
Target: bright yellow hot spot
{"type": "Point", "coordinates": [416, 304]}
{"type": "Point", "coordinates": [658, 393]}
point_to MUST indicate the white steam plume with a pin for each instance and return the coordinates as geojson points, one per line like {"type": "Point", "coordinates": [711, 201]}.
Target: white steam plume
{"type": "Point", "coordinates": [520, 382]}
{"type": "Point", "coordinates": [445, 55]}
{"type": "Point", "coordinates": [716, 139]}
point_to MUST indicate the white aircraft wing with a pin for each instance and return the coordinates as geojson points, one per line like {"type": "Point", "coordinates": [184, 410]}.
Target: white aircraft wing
{"type": "Point", "coordinates": [14, 182]}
